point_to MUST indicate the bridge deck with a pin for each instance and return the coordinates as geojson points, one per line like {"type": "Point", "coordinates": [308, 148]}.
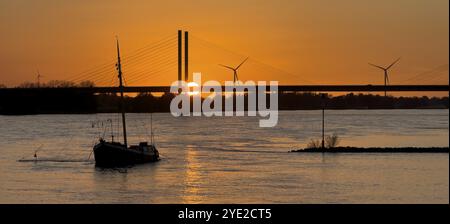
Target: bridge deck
{"type": "Point", "coordinates": [282, 88]}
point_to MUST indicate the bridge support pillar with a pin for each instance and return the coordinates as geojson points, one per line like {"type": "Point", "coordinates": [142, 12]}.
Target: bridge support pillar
{"type": "Point", "coordinates": [179, 55]}
{"type": "Point", "coordinates": [186, 57]}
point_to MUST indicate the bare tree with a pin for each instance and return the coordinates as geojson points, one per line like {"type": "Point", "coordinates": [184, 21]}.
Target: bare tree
{"type": "Point", "coordinates": [59, 84]}
{"type": "Point", "coordinates": [314, 144]}
{"type": "Point", "coordinates": [28, 85]}
{"type": "Point", "coordinates": [332, 141]}
{"type": "Point", "coordinates": [86, 83]}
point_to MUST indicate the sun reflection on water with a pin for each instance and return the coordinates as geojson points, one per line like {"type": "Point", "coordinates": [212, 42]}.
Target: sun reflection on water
{"type": "Point", "coordinates": [193, 179]}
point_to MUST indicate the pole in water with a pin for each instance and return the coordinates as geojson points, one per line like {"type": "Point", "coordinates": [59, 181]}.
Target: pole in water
{"type": "Point", "coordinates": [323, 121]}
{"type": "Point", "coordinates": [152, 133]}
{"type": "Point", "coordinates": [112, 130]}
{"type": "Point", "coordinates": [323, 127]}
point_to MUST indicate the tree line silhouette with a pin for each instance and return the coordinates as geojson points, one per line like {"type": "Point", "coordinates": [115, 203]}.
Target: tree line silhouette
{"type": "Point", "coordinates": [68, 101]}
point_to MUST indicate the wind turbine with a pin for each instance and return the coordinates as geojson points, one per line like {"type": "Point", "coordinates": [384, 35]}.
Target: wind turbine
{"type": "Point", "coordinates": [39, 76]}
{"type": "Point", "coordinates": [386, 76]}
{"type": "Point", "coordinates": [235, 75]}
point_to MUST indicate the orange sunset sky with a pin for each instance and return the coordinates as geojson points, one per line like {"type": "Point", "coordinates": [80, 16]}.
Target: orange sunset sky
{"type": "Point", "coordinates": [293, 42]}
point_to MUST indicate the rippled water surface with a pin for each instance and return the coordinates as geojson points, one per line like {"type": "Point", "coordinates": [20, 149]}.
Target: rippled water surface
{"type": "Point", "coordinates": [228, 160]}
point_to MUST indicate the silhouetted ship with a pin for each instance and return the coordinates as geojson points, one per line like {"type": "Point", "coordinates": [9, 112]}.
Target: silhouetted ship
{"type": "Point", "coordinates": [116, 154]}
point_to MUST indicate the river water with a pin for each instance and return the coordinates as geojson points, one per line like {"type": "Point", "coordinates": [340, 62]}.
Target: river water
{"type": "Point", "coordinates": [228, 159]}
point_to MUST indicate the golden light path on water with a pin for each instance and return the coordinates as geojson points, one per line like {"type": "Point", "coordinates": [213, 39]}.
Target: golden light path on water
{"type": "Point", "coordinates": [229, 159]}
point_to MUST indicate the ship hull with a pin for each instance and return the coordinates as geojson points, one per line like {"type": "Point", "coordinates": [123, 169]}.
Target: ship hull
{"type": "Point", "coordinates": [108, 154]}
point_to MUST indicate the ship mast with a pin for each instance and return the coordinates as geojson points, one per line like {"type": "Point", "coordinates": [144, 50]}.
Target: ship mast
{"type": "Point", "coordinates": [122, 107]}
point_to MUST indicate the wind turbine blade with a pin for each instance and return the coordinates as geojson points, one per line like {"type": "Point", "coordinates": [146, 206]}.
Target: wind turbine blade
{"type": "Point", "coordinates": [377, 66]}
{"type": "Point", "coordinates": [387, 78]}
{"type": "Point", "coordinates": [393, 63]}
{"type": "Point", "coordinates": [241, 63]}
{"type": "Point", "coordinates": [227, 67]}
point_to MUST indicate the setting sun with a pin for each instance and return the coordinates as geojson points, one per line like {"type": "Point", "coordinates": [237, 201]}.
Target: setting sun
{"type": "Point", "coordinates": [191, 86]}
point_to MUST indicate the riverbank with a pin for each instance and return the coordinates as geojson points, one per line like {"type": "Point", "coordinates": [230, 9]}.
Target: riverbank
{"type": "Point", "coordinates": [375, 150]}
{"type": "Point", "coordinates": [72, 102]}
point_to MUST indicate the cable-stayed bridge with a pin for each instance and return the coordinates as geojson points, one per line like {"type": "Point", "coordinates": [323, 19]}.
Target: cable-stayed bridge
{"type": "Point", "coordinates": [169, 57]}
